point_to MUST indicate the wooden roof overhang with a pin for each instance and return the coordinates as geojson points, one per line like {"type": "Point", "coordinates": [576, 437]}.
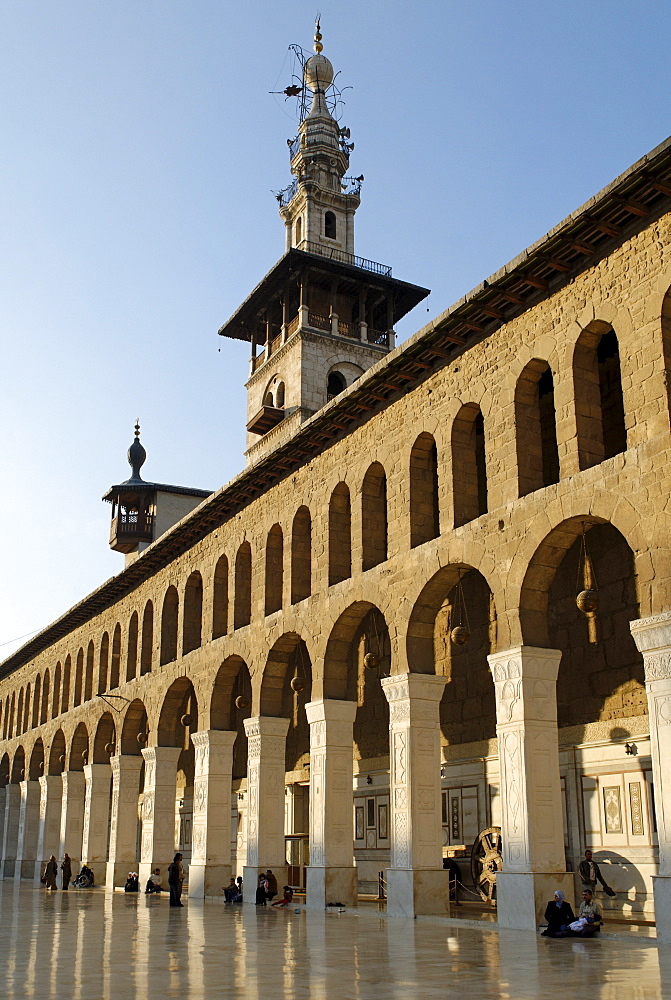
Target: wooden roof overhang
{"type": "Point", "coordinates": [629, 204]}
{"type": "Point", "coordinates": [322, 270]}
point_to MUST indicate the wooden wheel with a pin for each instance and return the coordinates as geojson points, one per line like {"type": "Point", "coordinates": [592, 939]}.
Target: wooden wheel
{"type": "Point", "coordinates": [486, 861]}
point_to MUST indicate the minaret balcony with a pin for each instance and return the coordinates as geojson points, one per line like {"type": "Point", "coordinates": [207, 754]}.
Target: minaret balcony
{"type": "Point", "coordinates": [129, 529]}
{"type": "Point", "coordinates": [334, 253]}
{"type": "Point", "coordinates": [321, 324]}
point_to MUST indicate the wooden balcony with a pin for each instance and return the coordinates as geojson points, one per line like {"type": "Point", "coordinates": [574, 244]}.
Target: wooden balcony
{"type": "Point", "coordinates": [263, 421]}
{"type": "Point", "coordinates": [129, 529]}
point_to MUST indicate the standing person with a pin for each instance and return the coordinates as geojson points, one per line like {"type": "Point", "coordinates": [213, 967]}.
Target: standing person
{"type": "Point", "coordinates": [175, 880]}
{"type": "Point", "coordinates": [271, 890]}
{"type": "Point", "coordinates": [262, 890]}
{"type": "Point", "coordinates": [50, 872]}
{"type": "Point", "coordinates": [590, 874]}
{"type": "Point", "coordinates": [66, 868]}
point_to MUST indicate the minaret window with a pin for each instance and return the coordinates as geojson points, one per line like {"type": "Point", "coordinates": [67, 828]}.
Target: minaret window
{"type": "Point", "coordinates": [279, 396]}
{"type": "Point", "coordinates": [299, 230]}
{"type": "Point", "coordinates": [330, 226]}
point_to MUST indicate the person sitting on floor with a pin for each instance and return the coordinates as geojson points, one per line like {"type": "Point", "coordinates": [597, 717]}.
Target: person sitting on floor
{"type": "Point", "coordinates": [589, 919]}
{"type": "Point", "coordinates": [153, 882]}
{"type": "Point", "coordinates": [132, 883]}
{"type": "Point", "coordinates": [559, 914]}
{"type": "Point", "coordinates": [230, 891]}
{"type": "Point", "coordinates": [288, 895]}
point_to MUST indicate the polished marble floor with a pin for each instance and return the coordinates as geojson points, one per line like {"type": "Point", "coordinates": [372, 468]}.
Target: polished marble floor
{"type": "Point", "coordinates": [97, 946]}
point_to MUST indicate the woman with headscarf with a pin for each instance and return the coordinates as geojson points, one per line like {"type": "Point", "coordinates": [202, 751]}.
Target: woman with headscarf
{"type": "Point", "coordinates": [50, 872]}
{"type": "Point", "coordinates": [559, 914]}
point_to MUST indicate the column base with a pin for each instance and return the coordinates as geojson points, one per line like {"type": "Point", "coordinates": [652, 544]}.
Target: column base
{"type": "Point", "coordinates": [8, 868]}
{"type": "Point", "coordinates": [331, 885]}
{"type": "Point", "coordinates": [661, 887]}
{"type": "Point", "coordinates": [116, 873]}
{"type": "Point", "coordinates": [418, 892]}
{"type": "Point", "coordinates": [521, 897]}
{"type": "Point", "coordinates": [208, 880]}
{"type": "Point", "coordinates": [250, 880]}
{"type": "Point", "coordinates": [25, 869]}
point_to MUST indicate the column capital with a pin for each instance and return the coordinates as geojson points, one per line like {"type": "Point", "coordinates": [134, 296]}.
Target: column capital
{"type": "Point", "coordinates": [161, 755]}
{"type": "Point", "coordinates": [126, 762]}
{"type": "Point", "coordinates": [330, 710]}
{"type": "Point", "coordinates": [211, 739]}
{"type": "Point", "coordinates": [413, 687]}
{"type": "Point", "coordinates": [653, 639]}
{"type": "Point", "coordinates": [525, 662]}
{"type": "Point", "coordinates": [266, 725]}
{"type": "Point", "coordinates": [96, 771]}
{"type": "Point", "coordinates": [49, 779]}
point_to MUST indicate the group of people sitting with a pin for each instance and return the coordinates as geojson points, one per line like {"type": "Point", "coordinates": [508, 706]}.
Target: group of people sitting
{"type": "Point", "coordinates": [153, 882]}
{"type": "Point", "coordinates": [233, 891]}
{"type": "Point", "coordinates": [562, 921]}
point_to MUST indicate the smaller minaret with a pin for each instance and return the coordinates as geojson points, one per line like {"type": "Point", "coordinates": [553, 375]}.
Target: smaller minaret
{"type": "Point", "coordinates": [142, 511]}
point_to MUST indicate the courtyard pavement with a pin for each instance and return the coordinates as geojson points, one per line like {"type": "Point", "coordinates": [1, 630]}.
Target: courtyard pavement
{"type": "Point", "coordinates": [111, 946]}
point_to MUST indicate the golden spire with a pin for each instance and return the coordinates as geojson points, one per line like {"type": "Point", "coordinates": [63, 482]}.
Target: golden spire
{"type": "Point", "coordinates": [318, 36]}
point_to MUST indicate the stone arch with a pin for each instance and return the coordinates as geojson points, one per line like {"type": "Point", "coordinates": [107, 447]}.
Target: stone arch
{"type": "Point", "coordinates": [57, 754]}
{"type": "Point", "coordinates": [131, 651]}
{"type": "Point", "coordinates": [242, 606]}
{"type": "Point", "coordinates": [274, 582]}
{"type": "Point", "coordinates": [599, 404]}
{"type": "Point", "coordinates": [536, 428]}
{"type": "Point", "coordinates": [36, 767]}
{"type": "Point", "coordinates": [37, 701]}
{"type": "Point", "coordinates": [104, 741]}
{"type": "Point", "coordinates": [12, 707]}
{"type": "Point", "coordinates": [79, 679]}
{"type": "Point", "coordinates": [5, 720]}
{"type": "Point", "coordinates": [330, 228]}
{"type": "Point", "coordinates": [287, 659]}
{"type": "Point", "coordinates": [301, 555]}
{"type": "Point", "coordinates": [340, 534]}
{"type": "Point", "coordinates": [44, 710]}
{"type": "Point", "coordinates": [179, 702]}
{"type": "Point", "coordinates": [4, 770]}
{"type": "Point", "coordinates": [103, 663]}
{"type": "Point", "coordinates": [169, 615]}
{"type": "Point", "coordinates": [469, 464]}
{"type": "Point", "coordinates": [88, 682]}
{"type": "Point", "coordinates": [424, 509]}
{"type": "Point", "coordinates": [79, 749]}
{"type": "Point", "coordinates": [220, 598]}
{"type": "Point", "coordinates": [233, 682]}
{"type": "Point", "coordinates": [65, 685]}
{"type": "Point", "coordinates": [56, 693]}
{"type": "Point", "coordinates": [135, 724]}
{"type": "Point", "coordinates": [18, 765]}
{"type": "Point", "coordinates": [601, 675]}
{"type": "Point", "coordinates": [115, 658]}
{"type": "Point", "coordinates": [374, 516]}
{"type": "Point", "coordinates": [147, 651]}
{"type": "Point", "coordinates": [21, 711]}
{"type": "Point", "coordinates": [192, 630]}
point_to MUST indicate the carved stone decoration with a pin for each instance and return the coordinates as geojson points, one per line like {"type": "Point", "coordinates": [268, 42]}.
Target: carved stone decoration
{"type": "Point", "coordinates": [265, 784]}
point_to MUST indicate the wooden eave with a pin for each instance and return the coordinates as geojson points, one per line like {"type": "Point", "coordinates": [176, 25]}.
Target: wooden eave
{"type": "Point", "coordinates": [604, 222]}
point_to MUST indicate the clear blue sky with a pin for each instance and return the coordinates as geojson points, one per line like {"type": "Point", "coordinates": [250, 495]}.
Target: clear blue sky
{"type": "Point", "coordinates": [139, 147]}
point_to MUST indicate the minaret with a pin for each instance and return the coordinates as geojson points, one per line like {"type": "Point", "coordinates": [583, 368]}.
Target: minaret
{"type": "Point", "coordinates": [322, 316]}
{"type": "Point", "coordinates": [318, 208]}
{"type": "Point", "coordinates": [142, 511]}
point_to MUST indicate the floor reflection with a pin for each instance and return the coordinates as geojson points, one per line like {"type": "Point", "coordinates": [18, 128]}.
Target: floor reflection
{"type": "Point", "coordinates": [97, 946]}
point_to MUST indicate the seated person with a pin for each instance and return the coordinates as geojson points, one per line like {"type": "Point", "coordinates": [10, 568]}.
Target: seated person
{"type": "Point", "coordinates": [132, 883]}
{"type": "Point", "coordinates": [559, 914]}
{"type": "Point", "coordinates": [589, 917]}
{"type": "Point", "coordinates": [154, 882]}
{"type": "Point", "coordinates": [230, 891]}
{"type": "Point", "coordinates": [288, 895]}
{"type": "Point", "coordinates": [261, 890]}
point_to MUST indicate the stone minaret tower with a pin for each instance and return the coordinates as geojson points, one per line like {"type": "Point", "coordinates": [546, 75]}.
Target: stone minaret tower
{"type": "Point", "coordinates": [322, 316]}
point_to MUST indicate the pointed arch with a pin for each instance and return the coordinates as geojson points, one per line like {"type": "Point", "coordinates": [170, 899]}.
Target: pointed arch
{"type": "Point", "coordinates": [169, 614]}
{"type": "Point", "coordinates": [274, 570]}
{"type": "Point", "coordinates": [131, 653]}
{"type": "Point", "coordinates": [65, 686]}
{"type": "Point", "coordinates": [37, 701]}
{"type": "Point", "coordinates": [56, 694]}
{"type": "Point", "coordinates": [19, 714]}
{"type": "Point", "coordinates": [12, 708]}
{"type": "Point", "coordinates": [469, 466]}
{"type": "Point", "coordinates": [79, 679]}
{"type": "Point", "coordinates": [135, 729]}
{"type": "Point", "coordinates": [374, 517]}
{"type": "Point", "coordinates": [79, 749]}
{"type": "Point", "coordinates": [147, 653]}
{"type": "Point", "coordinates": [44, 711]}
{"type": "Point", "coordinates": [26, 709]}
{"type": "Point", "coordinates": [301, 555]}
{"type": "Point", "coordinates": [242, 608]}
{"type": "Point", "coordinates": [103, 663]}
{"type": "Point", "coordinates": [220, 598]}
{"type": "Point", "coordinates": [115, 659]}
{"type": "Point", "coordinates": [179, 715]}
{"type": "Point", "coordinates": [340, 534]}
{"type": "Point", "coordinates": [88, 685]}
{"type": "Point", "coordinates": [104, 741]}
{"type": "Point", "coordinates": [57, 753]}
{"type": "Point", "coordinates": [36, 766]}
{"type": "Point", "coordinates": [193, 613]}
{"type": "Point", "coordinates": [424, 510]}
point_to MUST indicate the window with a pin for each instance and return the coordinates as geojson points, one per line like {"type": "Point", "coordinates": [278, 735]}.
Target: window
{"type": "Point", "coordinates": [374, 516]}
{"type": "Point", "coordinates": [330, 226]}
{"type": "Point", "coordinates": [469, 473]}
{"type": "Point", "coordinates": [335, 385]}
{"type": "Point", "coordinates": [424, 519]}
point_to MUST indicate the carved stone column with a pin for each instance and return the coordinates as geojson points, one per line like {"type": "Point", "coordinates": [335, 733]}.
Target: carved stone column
{"type": "Point", "coordinates": [416, 880]}
{"type": "Point", "coordinates": [48, 836]}
{"type": "Point", "coordinates": [96, 819]}
{"type": "Point", "coordinates": [158, 809]}
{"type": "Point", "coordinates": [29, 821]}
{"type": "Point", "coordinates": [210, 866]}
{"type": "Point", "coordinates": [123, 849]}
{"type": "Point", "coordinates": [534, 863]}
{"type": "Point", "coordinates": [10, 829]}
{"type": "Point", "coordinates": [331, 876]}
{"type": "Point", "coordinates": [72, 817]}
{"type": "Point", "coordinates": [653, 639]}
{"type": "Point", "coordinates": [265, 792]}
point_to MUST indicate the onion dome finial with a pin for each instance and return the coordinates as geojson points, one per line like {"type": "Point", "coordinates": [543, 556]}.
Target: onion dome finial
{"type": "Point", "coordinates": [136, 453]}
